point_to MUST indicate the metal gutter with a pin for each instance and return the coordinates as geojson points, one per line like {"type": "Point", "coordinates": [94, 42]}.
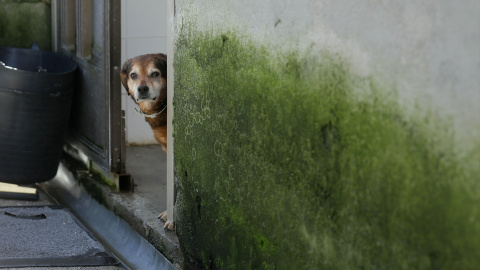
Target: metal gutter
{"type": "Point", "coordinates": [113, 232]}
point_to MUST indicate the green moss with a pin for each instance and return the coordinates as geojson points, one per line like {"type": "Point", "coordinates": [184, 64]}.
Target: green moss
{"type": "Point", "coordinates": [24, 22]}
{"type": "Point", "coordinates": [100, 176]}
{"type": "Point", "coordinates": [281, 164]}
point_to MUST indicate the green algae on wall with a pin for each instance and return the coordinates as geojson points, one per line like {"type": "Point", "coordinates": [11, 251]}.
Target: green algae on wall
{"type": "Point", "coordinates": [279, 165]}
{"type": "Point", "coordinates": [24, 22]}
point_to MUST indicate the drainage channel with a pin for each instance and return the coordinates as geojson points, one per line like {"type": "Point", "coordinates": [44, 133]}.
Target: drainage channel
{"type": "Point", "coordinates": [126, 244]}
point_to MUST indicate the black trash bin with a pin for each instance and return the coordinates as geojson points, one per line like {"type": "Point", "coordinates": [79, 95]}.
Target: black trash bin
{"type": "Point", "coordinates": [36, 90]}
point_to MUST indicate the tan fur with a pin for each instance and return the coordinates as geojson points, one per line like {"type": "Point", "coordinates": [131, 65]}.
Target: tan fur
{"type": "Point", "coordinates": [144, 68]}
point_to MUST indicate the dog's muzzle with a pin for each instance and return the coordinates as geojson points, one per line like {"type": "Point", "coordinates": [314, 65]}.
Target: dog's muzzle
{"type": "Point", "coordinates": [143, 89]}
{"type": "Point", "coordinates": [144, 93]}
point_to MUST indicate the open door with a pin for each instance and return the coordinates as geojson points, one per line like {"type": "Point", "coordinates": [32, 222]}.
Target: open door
{"type": "Point", "coordinates": [89, 31]}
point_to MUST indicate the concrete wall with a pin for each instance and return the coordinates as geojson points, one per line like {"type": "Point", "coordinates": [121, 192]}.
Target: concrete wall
{"type": "Point", "coordinates": [327, 134]}
{"type": "Point", "coordinates": [144, 30]}
{"type": "Point", "coordinates": [429, 50]}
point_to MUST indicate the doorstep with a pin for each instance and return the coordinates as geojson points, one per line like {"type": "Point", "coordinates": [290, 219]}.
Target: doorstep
{"type": "Point", "coordinates": [134, 209]}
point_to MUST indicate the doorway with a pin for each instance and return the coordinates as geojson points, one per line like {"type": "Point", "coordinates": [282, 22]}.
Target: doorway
{"type": "Point", "coordinates": [144, 30]}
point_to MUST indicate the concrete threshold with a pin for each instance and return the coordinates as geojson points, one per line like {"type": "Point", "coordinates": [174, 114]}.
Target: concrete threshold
{"type": "Point", "coordinates": [133, 208]}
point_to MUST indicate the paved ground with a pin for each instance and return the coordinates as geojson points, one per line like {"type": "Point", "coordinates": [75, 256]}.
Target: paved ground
{"type": "Point", "coordinates": [12, 232]}
{"type": "Point", "coordinates": [147, 165]}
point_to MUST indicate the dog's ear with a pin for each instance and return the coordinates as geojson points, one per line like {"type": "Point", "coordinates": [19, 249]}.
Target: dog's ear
{"type": "Point", "coordinates": [161, 63]}
{"type": "Point", "coordinates": [124, 73]}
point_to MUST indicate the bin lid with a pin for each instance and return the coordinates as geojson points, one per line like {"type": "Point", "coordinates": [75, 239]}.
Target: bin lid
{"type": "Point", "coordinates": [35, 60]}
{"type": "Point", "coordinates": [35, 71]}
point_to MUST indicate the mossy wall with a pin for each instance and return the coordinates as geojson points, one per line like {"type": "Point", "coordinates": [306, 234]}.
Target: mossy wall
{"type": "Point", "coordinates": [282, 163]}
{"type": "Point", "coordinates": [24, 22]}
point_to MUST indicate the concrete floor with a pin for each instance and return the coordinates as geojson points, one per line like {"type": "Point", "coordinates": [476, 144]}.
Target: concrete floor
{"type": "Point", "coordinates": [148, 166]}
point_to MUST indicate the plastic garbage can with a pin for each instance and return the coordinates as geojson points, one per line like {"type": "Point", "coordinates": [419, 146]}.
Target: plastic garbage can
{"type": "Point", "coordinates": [36, 91]}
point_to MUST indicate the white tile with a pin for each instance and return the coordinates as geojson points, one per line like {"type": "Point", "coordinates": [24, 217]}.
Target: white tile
{"type": "Point", "coordinates": [124, 51]}
{"type": "Point", "coordinates": [124, 98]}
{"type": "Point", "coordinates": [138, 130]}
{"type": "Point", "coordinates": [144, 30]}
{"type": "Point", "coordinates": [146, 18]}
{"type": "Point", "coordinates": [137, 46]}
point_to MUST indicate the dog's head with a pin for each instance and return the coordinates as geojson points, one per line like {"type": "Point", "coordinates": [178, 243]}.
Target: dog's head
{"type": "Point", "coordinates": [145, 78]}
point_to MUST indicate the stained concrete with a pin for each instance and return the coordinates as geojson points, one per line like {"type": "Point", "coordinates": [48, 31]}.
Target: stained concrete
{"type": "Point", "coordinates": [147, 165]}
{"type": "Point", "coordinates": [140, 209]}
{"type": "Point", "coordinates": [115, 231]}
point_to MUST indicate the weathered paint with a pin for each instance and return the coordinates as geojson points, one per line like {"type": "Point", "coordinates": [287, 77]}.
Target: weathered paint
{"type": "Point", "coordinates": [281, 163]}
{"type": "Point", "coordinates": [24, 22]}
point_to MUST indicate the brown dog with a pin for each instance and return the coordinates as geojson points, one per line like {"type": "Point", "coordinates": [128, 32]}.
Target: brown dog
{"type": "Point", "coordinates": [145, 79]}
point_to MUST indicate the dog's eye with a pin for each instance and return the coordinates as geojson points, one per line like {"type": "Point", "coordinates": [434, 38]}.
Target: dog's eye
{"type": "Point", "coordinates": [155, 74]}
{"type": "Point", "coordinates": [133, 76]}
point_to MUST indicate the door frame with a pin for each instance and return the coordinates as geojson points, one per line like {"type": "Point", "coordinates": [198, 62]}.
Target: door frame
{"type": "Point", "coordinates": [109, 158]}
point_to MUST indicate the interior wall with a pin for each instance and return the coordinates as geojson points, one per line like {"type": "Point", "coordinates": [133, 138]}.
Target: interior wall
{"type": "Point", "coordinates": [144, 30]}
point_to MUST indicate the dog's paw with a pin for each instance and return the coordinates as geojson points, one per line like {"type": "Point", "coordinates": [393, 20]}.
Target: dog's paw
{"type": "Point", "coordinates": [168, 224]}
{"type": "Point", "coordinates": [163, 216]}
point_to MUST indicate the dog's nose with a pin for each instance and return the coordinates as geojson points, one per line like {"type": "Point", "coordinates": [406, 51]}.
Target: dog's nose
{"type": "Point", "coordinates": [143, 89]}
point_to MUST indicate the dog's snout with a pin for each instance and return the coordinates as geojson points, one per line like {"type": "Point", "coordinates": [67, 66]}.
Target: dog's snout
{"type": "Point", "coordinates": [143, 89]}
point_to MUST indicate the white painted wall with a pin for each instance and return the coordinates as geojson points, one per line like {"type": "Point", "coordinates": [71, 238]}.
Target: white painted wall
{"type": "Point", "coordinates": [144, 30]}
{"type": "Point", "coordinates": [428, 50]}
